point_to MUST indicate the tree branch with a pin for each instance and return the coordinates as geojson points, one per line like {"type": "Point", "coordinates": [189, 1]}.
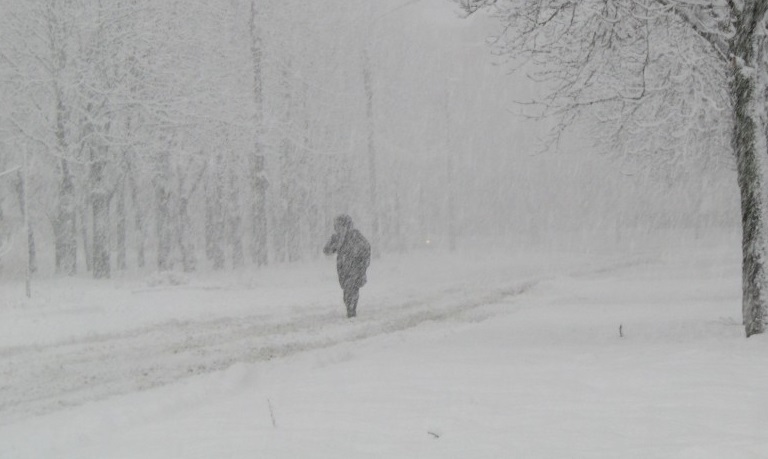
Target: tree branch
{"type": "Point", "coordinates": [714, 40]}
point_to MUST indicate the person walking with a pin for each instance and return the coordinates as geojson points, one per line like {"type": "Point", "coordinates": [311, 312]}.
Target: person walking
{"type": "Point", "coordinates": [353, 255]}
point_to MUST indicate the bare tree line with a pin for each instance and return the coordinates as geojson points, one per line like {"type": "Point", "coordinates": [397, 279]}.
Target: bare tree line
{"type": "Point", "coordinates": [143, 146]}
{"type": "Point", "coordinates": [188, 135]}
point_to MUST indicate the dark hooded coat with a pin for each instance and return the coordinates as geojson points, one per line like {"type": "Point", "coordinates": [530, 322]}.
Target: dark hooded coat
{"type": "Point", "coordinates": [353, 253]}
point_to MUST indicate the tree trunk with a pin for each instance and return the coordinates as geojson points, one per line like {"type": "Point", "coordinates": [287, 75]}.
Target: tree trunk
{"type": "Point", "coordinates": [88, 256]}
{"type": "Point", "coordinates": [368, 85]}
{"type": "Point", "coordinates": [163, 219]}
{"type": "Point", "coordinates": [749, 143]}
{"type": "Point", "coordinates": [184, 241]}
{"type": "Point", "coordinates": [449, 179]}
{"type": "Point", "coordinates": [235, 221]}
{"type": "Point", "coordinates": [328, 195]}
{"type": "Point", "coordinates": [100, 209]}
{"type": "Point", "coordinates": [188, 259]}
{"type": "Point", "coordinates": [4, 238]}
{"type": "Point", "coordinates": [215, 216]}
{"type": "Point", "coordinates": [22, 191]}
{"type": "Point", "coordinates": [315, 217]}
{"type": "Point", "coordinates": [65, 228]}
{"type": "Point", "coordinates": [285, 236]}
{"type": "Point", "coordinates": [209, 218]}
{"type": "Point", "coordinates": [259, 213]}
{"type": "Point", "coordinates": [101, 258]}
{"type": "Point", "coordinates": [258, 177]}
{"type": "Point", "coordinates": [31, 253]}
{"type": "Point", "coordinates": [31, 248]}
{"type": "Point", "coordinates": [138, 221]}
{"type": "Point", "coordinates": [397, 224]}
{"type": "Point", "coordinates": [121, 227]}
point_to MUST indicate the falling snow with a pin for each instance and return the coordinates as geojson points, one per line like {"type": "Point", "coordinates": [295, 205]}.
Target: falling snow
{"type": "Point", "coordinates": [552, 217]}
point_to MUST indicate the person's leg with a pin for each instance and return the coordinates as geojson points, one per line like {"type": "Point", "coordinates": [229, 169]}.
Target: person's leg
{"type": "Point", "coordinates": [355, 297]}
{"type": "Point", "coordinates": [347, 300]}
{"type": "Point", "coordinates": [351, 296]}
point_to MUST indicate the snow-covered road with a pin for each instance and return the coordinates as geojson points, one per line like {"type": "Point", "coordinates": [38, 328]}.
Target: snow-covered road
{"type": "Point", "coordinates": [453, 357]}
{"type": "Point", "coordinates": [43, 378]}
{"type": "Point", "coordinates": [73, 361]}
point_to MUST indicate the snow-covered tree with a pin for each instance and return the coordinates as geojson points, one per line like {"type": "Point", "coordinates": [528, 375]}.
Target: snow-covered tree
{"type": "Point", "coordinates": [181, 134]}
{"type": "Point", "coordinates": [660, 78]}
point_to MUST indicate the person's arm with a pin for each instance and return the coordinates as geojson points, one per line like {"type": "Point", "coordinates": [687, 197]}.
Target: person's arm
{"type": "Point", "coordinates": [332, 246]}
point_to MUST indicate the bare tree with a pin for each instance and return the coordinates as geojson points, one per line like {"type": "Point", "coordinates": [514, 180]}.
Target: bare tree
{"type": "Point", "coordinates": [684, 72]}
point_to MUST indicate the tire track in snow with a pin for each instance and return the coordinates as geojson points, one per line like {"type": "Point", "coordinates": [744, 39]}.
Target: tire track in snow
{"type": "Point", "coordinates": [38, 380]}
{"type": "Point", "coordinates": [42, 379]}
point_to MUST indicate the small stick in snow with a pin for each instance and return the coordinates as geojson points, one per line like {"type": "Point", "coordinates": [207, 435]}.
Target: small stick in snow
{"type": "Point", "coordinates": [272, 413]}
{"type": "Point", "coordinates": [621, 333]}
{"type": "Point", "coordinates": [433, 434]}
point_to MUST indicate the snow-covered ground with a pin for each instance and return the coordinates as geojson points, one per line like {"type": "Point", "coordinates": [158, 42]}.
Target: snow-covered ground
{"type": "Point", "coordinates": [473, 354]}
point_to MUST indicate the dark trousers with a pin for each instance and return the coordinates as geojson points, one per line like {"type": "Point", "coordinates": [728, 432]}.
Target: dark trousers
{"type": "Point", "coordinates": [351, 295]}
